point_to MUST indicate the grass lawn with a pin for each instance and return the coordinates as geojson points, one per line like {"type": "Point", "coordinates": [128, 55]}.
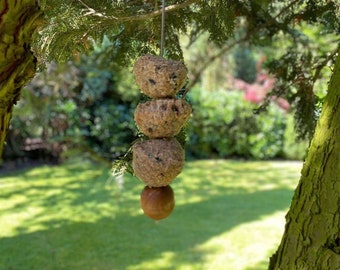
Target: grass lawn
{"type": "Point", "coordinates": [228, 215]}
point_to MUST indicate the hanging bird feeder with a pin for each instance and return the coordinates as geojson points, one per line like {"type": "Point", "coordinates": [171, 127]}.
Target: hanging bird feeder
{"type": "Point", "coordinates": [158, 160]}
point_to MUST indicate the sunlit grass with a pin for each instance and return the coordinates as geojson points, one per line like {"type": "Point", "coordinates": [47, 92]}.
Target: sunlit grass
{"type": "Point", "coordinates": [228, 215]}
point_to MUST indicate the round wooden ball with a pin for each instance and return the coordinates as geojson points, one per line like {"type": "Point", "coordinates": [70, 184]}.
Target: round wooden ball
{"type": "Point", "coordinates": [157, 202]}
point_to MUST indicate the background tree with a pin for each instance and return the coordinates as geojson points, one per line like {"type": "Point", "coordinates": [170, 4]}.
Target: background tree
{"type": "Point", "coordinates": [311, 239]}
{"type": "Point", "coordinates": [18, 20]}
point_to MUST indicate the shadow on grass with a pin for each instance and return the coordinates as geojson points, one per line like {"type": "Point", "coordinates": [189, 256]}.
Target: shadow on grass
{"type": "Point", "coordinates": [125, 241]}
{"type": "Point", "coordinates": [72, 217]}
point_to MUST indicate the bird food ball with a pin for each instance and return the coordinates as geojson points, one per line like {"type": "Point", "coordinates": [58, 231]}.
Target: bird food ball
{"type": "Point", "coordinates": [158, 77]}
{"type": "Point", "coordinates": [161, 118]}
{"type": "Point", "coordinates": [157, 161]}
{"type": "Point", "coordinates": [157, 202]}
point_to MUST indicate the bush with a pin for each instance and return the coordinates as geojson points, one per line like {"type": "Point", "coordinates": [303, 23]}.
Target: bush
{"type": "Point", "coordinates": [81, 105]}
{"type": "Point", "coordinates": [224, 125]}
{"type": "Point", "coordinates": [293, 148]}
{"type": "Point", "coordinates": [87, 104]}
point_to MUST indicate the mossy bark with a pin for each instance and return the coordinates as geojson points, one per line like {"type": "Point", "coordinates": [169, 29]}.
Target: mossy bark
{"type": "Point", "coordinates": [312, 234]}
{"type": "Point", "coordinates": [18, 21]}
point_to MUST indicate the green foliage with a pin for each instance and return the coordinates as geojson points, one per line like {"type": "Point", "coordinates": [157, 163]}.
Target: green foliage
{"type": "Point", "coordinates": [224, 125]}
{"type": "Point", "coordinates": [268, 141]}
{"type": "Point", "coordinates": [294, 148]}
{"type": "Point", "coordinates": [83, 106]}
{"type": "Point", "coordinates": [298, 61]}
{"type": "Point", "coordinates": [216, 18]}
{"type": "Point", "coordinates": [301, 61]}
{"type": "Point", "coordinates": [133, 25]}
{"type": "Point", "coordinates": [245, 65]}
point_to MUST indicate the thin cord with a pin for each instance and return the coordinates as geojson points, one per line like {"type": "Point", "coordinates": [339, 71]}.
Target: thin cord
{"type": "Point", "coordinates": [162, 28]}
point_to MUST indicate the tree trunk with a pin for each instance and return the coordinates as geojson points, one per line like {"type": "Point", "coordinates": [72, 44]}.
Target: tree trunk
{"type": "Point", "coordinates": [312, 234]}
{"type": "Point", "coordinates": [18, 20]}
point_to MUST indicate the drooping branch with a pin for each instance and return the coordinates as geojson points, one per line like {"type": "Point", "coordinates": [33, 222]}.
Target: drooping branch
{"type": "Point", "coordinates": [323, 63]}
{"type": "Point", "coordinates": [91, 11]}
{"type": "Point", "coordinates": [227, 47]}
{"type": "Point", "coordinates": [151, 15]}
{"type": "Point", "coordinates": [211, 59]}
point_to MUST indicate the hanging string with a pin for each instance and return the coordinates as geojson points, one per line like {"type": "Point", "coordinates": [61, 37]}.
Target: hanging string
{"type": "Point", "coordinates": [162, 28]}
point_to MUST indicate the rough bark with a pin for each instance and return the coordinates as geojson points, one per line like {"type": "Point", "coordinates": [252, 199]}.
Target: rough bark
{"type": "Point", "coordinates": [312, 234]}
{"type": "Point", "coordinates": [18, 20]}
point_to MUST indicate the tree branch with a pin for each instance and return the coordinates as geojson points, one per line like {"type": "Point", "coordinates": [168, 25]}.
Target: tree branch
{"type": "Point", "coordinates": [322, 64]}
{"type": "Point", "coordinates": [210, 60]}
{"type": "Point", "coordinates": [283, 10]}
{"type": "Point", "coordinates": [228, 47]}
{"type": "Point", "coordinates": [91, 11]}
{"type": "Point", "coordinates": [156, 13]}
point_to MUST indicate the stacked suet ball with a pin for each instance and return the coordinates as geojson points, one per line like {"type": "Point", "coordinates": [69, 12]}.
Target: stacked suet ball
{"type": "Point", "coordinates": [159, 159]}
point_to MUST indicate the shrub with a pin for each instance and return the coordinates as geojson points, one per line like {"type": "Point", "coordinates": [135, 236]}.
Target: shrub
{"type": "Point", "coordinates": [82, 105]}
{"type": "Point", "coordinates": [293, 148]}
{"type": "Point", "coordinates": [224, 125]}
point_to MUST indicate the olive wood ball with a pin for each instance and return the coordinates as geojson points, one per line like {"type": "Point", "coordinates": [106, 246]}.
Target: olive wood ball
{"type": "Point", "coordinates": [157, 202]}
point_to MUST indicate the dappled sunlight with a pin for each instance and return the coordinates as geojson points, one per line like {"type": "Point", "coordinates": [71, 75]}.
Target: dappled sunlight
{"type": "Point", "coordinates": [14, 219]}
{"type": "Point", "coordinates": [202, 179]}
{"type": "Point", "coordinates": [227, 213]}
{"type": "Point", "coordinates": [48, 197]}
{"type": "Point", "coordinates": [161, 262]}
{"type": "Point", "coordinates": [255, 241]}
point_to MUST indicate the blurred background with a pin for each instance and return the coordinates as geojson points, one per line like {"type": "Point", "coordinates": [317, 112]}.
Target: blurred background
{"type": "Point", "coordinates": [85, 107]}
{"type": "Point", "coordinates": [62, 207]}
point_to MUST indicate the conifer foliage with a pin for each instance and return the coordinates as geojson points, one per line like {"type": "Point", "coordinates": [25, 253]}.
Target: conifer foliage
{"type": "Point", "coordinates": [135, 28]}
{"type": "Point", "coordinates": [134, 25]}
{"type": "Point", "coordinates": [311, 238]}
